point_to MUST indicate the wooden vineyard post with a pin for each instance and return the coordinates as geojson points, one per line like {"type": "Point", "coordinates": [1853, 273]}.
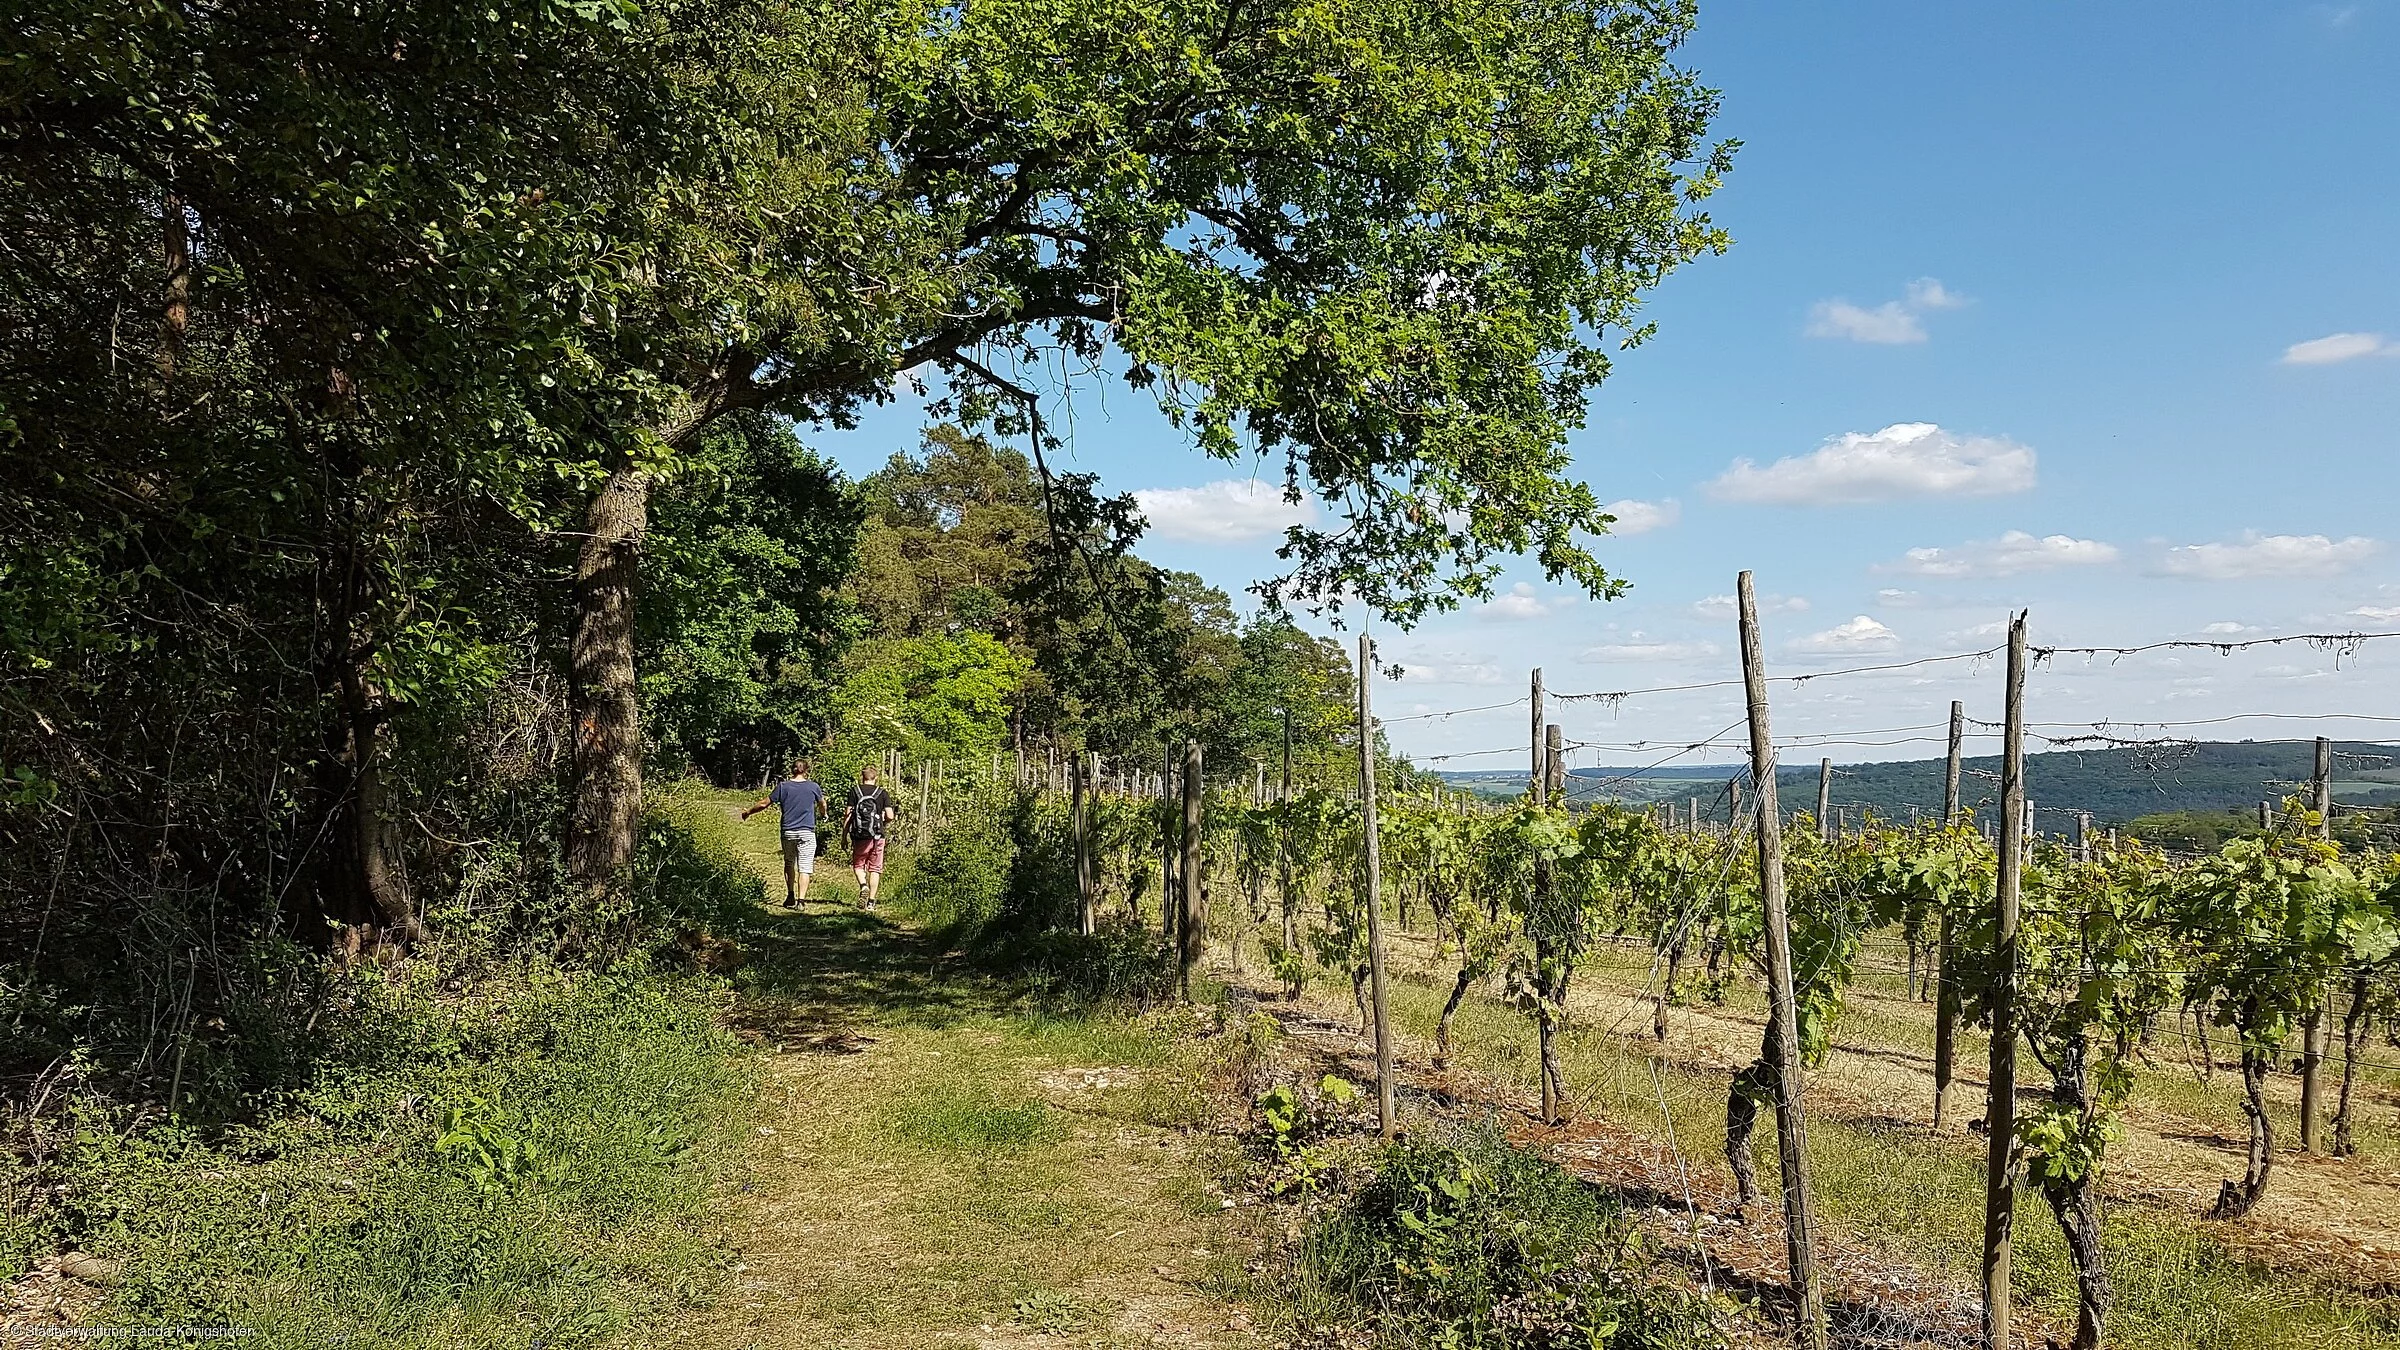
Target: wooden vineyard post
{"type": "Point", "coordinates": [1283, 869]}
{"type": "Point", "coordinates": [2000, 1120]}
{"type": "Point", "coordinates": [1538, 770]}
{"type": "Point", "coordinates": [2313, 1024]}
{"type": "Point", "coordinates": [1083, 845]}
{"type": "Point", "coordinates": [1825, 801]}
{"type": "Point", "coordinates": [2322, 785]}
{"type": "Point", "coordinates": [1374, 880]}
{"type": "Point", "coordinates": [1791, 1131]}
{"type": "Point", "coordinates": [2266, 817]}
{"type": "Point", "coordinates": [1552, 980]}
{"type": "Point", "coordinates": [1945, 996]}
{"type": "Point", "coordinates": [1167, 902]}
{"type": "Point", "coordinates": [1194, 925]}
{"type": "Point", "coordinates": [2083, 836]}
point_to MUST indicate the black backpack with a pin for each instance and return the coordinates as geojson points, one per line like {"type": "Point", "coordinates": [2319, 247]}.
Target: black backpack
{"type": "Point", "coordinates": [867, 808]}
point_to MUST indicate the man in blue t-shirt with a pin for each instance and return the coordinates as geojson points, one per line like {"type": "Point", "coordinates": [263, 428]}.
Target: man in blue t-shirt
{"type": "Point", "coordinates": [800, 800]}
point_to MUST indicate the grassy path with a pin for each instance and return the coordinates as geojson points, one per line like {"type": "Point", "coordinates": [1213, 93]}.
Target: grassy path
{"type": "Point", "coordinates": [937, 1160]}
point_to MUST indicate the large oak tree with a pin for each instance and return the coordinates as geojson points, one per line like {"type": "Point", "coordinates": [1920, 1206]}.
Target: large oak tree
{"type": "Point", "coordinates": [1384, 245]}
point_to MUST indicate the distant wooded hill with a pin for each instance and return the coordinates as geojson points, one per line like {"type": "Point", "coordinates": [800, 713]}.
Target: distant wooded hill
{"type": "Point", "coordinates": [2115, 785]}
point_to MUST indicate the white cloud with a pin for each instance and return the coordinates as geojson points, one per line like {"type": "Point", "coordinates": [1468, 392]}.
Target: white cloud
{"type": "Point", "coordinates": [2334, 348]}
{"type": "Point", "coordinates": [1979, 633]}
{"type": "Point", "coordinates": [2227, 628]}
{"type": "Point", "coordinates": [2269, 555]}
{"type": "Point", "coordinates": [1892, 323]}
{"type": "Point", "coordinates": [1905, 459]}
{"type": "Point", "coordinates": [1929, 293]}
{"type": "Point", "coordinates": [1897, 599]}
{"type": "Point", "coordinates": [1232, 511]}
{"type": "Point", "coordinates": [1726, 606]}
{"type": "Point", "coordinates": [1860, 634]}
{"type": "Point", "coordinates": [1450, 668]}
{"type": "Point", "coordinates": [1640, 517]}
{"type": "Point", "coordinates": [1521, 601]}
{"type": "Point", "coordinates": [1644, 648]}
{"type": "Point", "coordinates": [2378, 613]}
{"type": "Point", "coordinates": [2011, 553]}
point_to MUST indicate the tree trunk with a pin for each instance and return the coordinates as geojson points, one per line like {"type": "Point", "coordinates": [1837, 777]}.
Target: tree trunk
{"type": "Point", "coordinates": [360, 882]}
{"type": "Point", "coordinates": [2235, 1199]}
{"type": "Point", "coordinates": [1553, 991]}
{"type": "Point", "coordinates": [1658, 1011]}
{"type": "Point", "coordinates": [607, 706]}
{"type": "Point", "coordinates": [176, 315]}
{"type": "Point", "coordinates": [2075, 1200]}
{"type": "Point", "coordinates": [2354, 1040]}
{"type": "Point", "coordinates": [1467, 973]}
{"type": "Point", "coordinates": [1752, 1088]}
{"type": "Point", "coordinates": [602, 681]}
{"type": "Point", "coordinates": [2077, 1205]}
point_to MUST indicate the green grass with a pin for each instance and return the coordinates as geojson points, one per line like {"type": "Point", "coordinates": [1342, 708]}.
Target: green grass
{"type": "Point", "coordinates": [340, 1209]}
{"type": "Point", "coordinates": [952, 1149]}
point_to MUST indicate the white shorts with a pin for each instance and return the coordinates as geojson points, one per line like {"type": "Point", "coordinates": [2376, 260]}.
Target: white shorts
{"type": "Point", "coordinates": [800, 850]}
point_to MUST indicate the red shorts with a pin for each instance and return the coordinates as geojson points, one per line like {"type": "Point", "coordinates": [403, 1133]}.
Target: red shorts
{"type": "Point", "coordinates": [866, 855]}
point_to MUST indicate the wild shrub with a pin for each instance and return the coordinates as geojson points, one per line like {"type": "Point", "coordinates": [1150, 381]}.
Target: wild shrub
{"type": "Point", "coordinates": [958, 885]}
{"type": "Point", "coordinates": [1119, 962]}
{"type": "Point", "coordinates": [529, 1152]}
{"type": "Point", "coordinates": [1463, 1241]}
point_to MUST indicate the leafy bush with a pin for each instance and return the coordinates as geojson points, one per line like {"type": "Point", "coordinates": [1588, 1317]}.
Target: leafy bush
{"type": "Point", "coordinates": [1120, 962]}
{"type": "Point", "coordinates": [521, 1154]}
{"type": "Point", "coordinates": [958, 885]}
{"type": "Point", "coordinates": [1464, 1241]}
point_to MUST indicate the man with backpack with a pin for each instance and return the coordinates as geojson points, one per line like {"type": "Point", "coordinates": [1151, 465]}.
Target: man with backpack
{"type": "Point", "coordinates": [869, 814]}
{"type": "Point", "coordinates": [801, 802]}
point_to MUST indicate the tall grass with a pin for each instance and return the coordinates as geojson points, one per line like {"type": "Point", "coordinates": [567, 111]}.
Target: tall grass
{"type": "Point", "coordinates": [483, 1150]}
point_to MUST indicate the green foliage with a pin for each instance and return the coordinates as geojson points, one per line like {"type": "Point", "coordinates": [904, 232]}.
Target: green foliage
{"type": "Point", "coordinates": [489, 1157]}
{"type": "Point", "coordinates": [961, 883]}
{"type": "Point", "coordinates": [2266, 921]}
{"type": "Point", "coordinates": [1120, 962]}
{"type": "Point", "coordinates": [1462, 1240]}
{"type": "Point", "coordinates": [742, 616]}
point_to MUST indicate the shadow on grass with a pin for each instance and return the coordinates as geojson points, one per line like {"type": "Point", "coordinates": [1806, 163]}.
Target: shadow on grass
{"type": "Point", "coordinates": [815, 977]}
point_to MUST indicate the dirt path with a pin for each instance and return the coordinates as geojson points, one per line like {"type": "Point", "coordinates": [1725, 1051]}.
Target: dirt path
{"type": "Point", "coordinates": [936, 1164]}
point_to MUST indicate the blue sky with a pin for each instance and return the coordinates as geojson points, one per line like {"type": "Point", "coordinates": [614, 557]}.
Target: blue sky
{"type": "Point", "coordinates": [2091, 309]}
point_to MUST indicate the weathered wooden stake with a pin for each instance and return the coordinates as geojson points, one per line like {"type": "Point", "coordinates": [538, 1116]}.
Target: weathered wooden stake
{"type": "Point", "coordinates": [1374, 877]}
{"type": "Point", "coordinates": [1825, 801]}
{"type": "Point", "coordinates": [1791, 1131]}
{"type": "Point", "coordinates": [1083, 845]}
{"type": "Point", "coordinates": [1538, 769]}
{"type": "Point", "coordinates": [2000, 1119]}
{"type": "Point", "coordinates": [1193, 928]}
{"type": "Point", "coordinates": [2313, 1025]}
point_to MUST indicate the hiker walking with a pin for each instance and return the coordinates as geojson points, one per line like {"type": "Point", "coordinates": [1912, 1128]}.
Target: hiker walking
{"type": "Point", "coordinates": [801, 801]}
{"type": "Point", "coordinates": [869, 814]}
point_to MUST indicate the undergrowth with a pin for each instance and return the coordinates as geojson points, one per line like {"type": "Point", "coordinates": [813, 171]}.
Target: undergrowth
{"type": "Point", "coordinates": [457, 1147]}
{"type": "Point", "coordinates": [1454, 1238]}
